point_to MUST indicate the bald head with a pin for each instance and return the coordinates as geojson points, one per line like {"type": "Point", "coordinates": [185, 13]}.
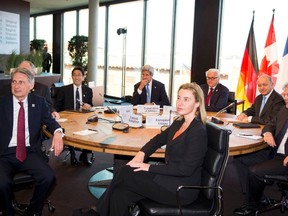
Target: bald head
{"type": "Point", "coordinates": [265, 84]}
{"type": "Point", "coordinates": [28, 65]}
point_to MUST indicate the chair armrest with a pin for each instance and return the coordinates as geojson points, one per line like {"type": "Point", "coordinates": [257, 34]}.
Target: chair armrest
{"type": "Point", "coordinates": [201, 187]}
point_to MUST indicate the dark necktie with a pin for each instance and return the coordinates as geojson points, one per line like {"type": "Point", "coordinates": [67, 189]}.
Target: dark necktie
{"type": "Point", "coordinates": [21, 146]}
{"type": "Point", "coordinates": [77, 99]}
{"type": "Point", "coordinates": [148, 98]}
{"type": "Point", "coordinates": [207, 101]}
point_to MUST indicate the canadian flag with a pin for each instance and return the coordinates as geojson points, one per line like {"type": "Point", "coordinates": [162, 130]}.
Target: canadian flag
{"type": "Point", "coordinates": [269, 64]}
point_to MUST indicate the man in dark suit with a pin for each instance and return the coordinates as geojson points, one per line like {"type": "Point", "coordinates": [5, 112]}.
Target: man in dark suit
{"type": "Point", "coordinates": [270, 161]}
{"type": "Point", "coordinates": [69, 99]}
{"type": "Point", "coordinates": [38, 89]}
{"type": "Point", "coordinates": [215, 94]}
{"type": "Point", "coordinates": [23, 153]}
{"type": "Point", "coordinates": [149, 91]}
{"type": "Point", "coordinates": [272, 102]}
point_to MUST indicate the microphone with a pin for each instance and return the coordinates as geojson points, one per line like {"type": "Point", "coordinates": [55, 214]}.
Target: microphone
{"type": "Point", "coordinates": [216, 120]}
{"type": "Point", "coordinates": [118, 125]}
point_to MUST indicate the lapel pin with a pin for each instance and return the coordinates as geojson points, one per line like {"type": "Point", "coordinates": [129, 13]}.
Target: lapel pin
{"type": "Point", "coordinates": [33, 105]}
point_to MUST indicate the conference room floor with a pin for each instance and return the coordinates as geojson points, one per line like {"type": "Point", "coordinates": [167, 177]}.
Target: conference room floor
{"type": "Point", "coordinates": [72, 192]}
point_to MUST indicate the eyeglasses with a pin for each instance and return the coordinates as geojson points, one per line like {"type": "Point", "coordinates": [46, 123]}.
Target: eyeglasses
{"type": "Point", "coordinates": [211, 78]}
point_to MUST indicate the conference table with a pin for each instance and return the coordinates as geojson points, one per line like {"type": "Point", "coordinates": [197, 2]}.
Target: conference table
{"type": "Point", "coordinates": [100, 137]}
{"type": "Point", "coordinates": [79, 133]}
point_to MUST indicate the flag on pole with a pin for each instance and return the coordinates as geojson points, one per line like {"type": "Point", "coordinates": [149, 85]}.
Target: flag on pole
{"type": "Point", "coordinates": [269, 64]}
{"type": "Point", "coordinates": [246, 88]}
{"type": "Point", "coordinates": [282, 76]}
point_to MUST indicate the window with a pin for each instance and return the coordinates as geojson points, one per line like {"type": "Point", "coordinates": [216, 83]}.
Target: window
{"type": "Point", "coordinates": [125, 48]}
{"type": "Point", "coordinates": [69, 32]}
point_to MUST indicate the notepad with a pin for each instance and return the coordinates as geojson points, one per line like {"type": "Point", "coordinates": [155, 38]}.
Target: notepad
{"type": "Point", "coordinates": [246, 125]}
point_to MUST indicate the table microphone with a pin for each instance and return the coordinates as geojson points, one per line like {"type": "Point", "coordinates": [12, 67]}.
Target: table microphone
{"type": "Point", "coordinates": [118, 125]}
{"type": "Point", "coordinates": [216, 120]}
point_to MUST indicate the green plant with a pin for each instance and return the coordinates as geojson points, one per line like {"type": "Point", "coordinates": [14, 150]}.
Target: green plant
{"type": "Point", "coordinates": [36, 58]}
{"type": "Point", "coordinates": [37, 45]}
{"type": "Point", "coordinates": [14, 60]}
{"type": "Point", "coordinates": [78, 50]}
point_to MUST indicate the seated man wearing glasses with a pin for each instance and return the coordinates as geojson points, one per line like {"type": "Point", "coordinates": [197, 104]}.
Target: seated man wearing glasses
{"type": "Point", "coordinates": [216, 94]}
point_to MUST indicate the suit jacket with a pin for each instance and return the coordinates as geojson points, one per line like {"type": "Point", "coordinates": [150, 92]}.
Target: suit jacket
{"type": "Point", "coordinates": [276, 126]}
{"type": "Point", "coordinates": [183, 156]}
{"type": "Point", "coordinates": [65, 97]}
{"type": "Point", "coordinates": [38, 115]}
{"type": "Point", "coordinates": [39, 89]}
{"type": "Point", "coordinates": [219, 98]}
{"type": "Point", "coordinates": [270, 110]}
{"type": "Point", "coordinates": [158, 94]}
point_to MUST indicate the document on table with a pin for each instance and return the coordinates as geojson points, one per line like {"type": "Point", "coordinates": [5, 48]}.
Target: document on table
{"type": "Point", "coordinates": [249, 136]}
{"type": "Point", "coordinates": [86, 132]}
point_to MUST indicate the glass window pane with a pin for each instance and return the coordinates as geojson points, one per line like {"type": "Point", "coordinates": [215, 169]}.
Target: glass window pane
{"type": "Point", "coordinates": [32, 28]}
{"type": "Point", "coordinates": [183, 48]}
{"type": "Point", "coordinates": [68, 32]}
{"type": "Point", "coordinates": [44, 30]}
{"type": "Point", "coordinates": [159, 39]}
{"type": "Point", "coordinates": [132, 21]}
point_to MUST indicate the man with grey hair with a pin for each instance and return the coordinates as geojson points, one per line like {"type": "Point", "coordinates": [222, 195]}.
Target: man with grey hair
{"type": "Point", "coordinates": [266, 105]}
{"type": "Point", "coordinates": [149, 91]}
{"type": "Point", "coordinates": [22, 116]}
{"type": "Point", "coordinates": [215, 94]}
{"type": "Point", "coordinates": [39, 88]}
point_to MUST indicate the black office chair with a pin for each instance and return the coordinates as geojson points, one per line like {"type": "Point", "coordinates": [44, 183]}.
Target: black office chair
{"type": "Point", "coordinates": [282, 183]}
{"type": "Point", "coordinates": [231, 99]}
{"type": "Point", "coordinates": [23, 181]}
{"type": "Point", "coordinates": [210, 199]}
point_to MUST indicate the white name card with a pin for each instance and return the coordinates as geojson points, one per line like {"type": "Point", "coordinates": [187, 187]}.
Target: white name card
{"type": "Point", "coordinates": [167, 110]}
{"type": "Point", "coordinates": [133, 120]}
{"type": "Point", "coordinates": [157, 121]}
{"type": "Point", "coordinates": [125, 110]}
{"type": "Point", "coordinates": [148, 109]}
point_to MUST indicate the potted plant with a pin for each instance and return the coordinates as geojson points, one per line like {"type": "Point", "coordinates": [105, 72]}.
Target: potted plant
{"type": "Point", "coordinates": [36, 53]}
{"type": "Point", "coordinates": [13, 61]}
{"type": "Point", "coordinates": [37, 45]}
{"type": "Point", "coordinates": [78, 50]}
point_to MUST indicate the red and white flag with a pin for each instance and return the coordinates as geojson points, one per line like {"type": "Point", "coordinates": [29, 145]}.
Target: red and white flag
{"type": "Point", "coordinates": [269, 64]}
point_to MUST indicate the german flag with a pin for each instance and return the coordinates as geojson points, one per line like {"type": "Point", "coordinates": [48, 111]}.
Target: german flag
{"type": "Point", "coordinates": [246, 88]}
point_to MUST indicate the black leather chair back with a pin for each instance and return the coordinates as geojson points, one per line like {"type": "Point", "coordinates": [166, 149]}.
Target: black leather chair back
{"type": "Point", "coordinates": [231, 99]}
{"type": "Point", "coordinates": [215, 158]}
{"type": "Point", "coordinates": [209, 201]}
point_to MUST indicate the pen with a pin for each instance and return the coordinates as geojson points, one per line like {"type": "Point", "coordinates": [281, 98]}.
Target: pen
{"type": "Point", "coordinates": [245, 134]}
{"type": "Point", "coordinates": [93, 129]}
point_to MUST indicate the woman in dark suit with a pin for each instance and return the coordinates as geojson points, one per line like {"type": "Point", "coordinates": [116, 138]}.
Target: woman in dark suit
{"type": "Point", "coordinates": [186, 145]}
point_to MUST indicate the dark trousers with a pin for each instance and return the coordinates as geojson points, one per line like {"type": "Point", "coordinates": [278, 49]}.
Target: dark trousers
{"type": "Point", "coordinates": [128, 187]}
{"type": "Point", "coordinates": [244, 162]}
{"type": "Point", "coordinates": [256, 173]}
{"type": "Point", "coordinates": [35, 165]}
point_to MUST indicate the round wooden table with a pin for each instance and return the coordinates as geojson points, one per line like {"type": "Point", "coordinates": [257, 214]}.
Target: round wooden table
{"type": "Point", "coordinates": [112, 141]}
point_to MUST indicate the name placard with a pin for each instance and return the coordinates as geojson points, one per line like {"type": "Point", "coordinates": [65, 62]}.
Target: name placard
{"type": "Point", "coordinates": [148, 109]}
{"type": "Point", "coordinates": [126, 110]}
{"type": "Point", "coordinates": [157, 121]}
{"type": "Point", "coordinates": [133, 120]}
{"type": "Point", "coordinates": [167, 110]}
